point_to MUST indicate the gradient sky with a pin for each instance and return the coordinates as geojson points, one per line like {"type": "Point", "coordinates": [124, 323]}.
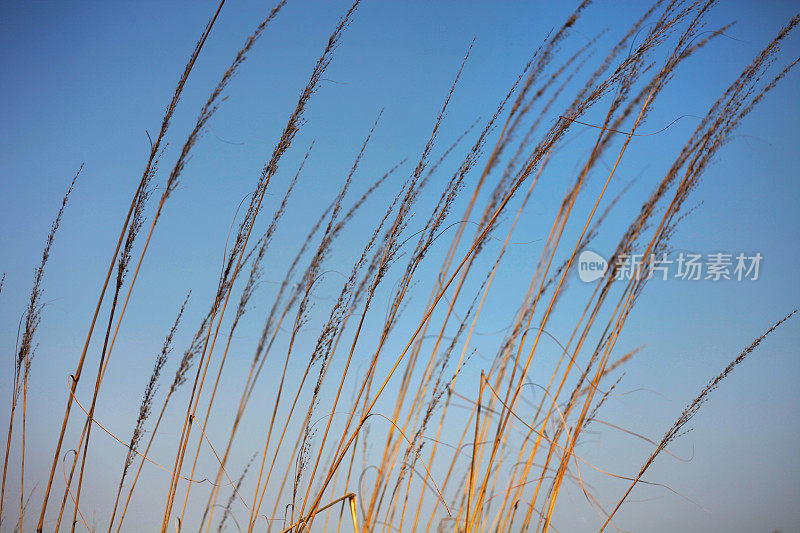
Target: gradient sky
{"type": "Point", "coordinates": [81, 83]}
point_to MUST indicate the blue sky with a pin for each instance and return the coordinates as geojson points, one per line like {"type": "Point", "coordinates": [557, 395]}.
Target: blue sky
{"type": "Point", "coordinates": [81, 83]}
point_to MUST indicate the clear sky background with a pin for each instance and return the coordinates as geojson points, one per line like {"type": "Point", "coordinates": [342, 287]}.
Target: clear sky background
{"type": "Point", "coordinates": [83, 82]}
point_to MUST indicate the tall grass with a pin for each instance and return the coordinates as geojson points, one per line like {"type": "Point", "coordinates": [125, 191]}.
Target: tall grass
{"type": "Point", "coordinates": [392, 420]}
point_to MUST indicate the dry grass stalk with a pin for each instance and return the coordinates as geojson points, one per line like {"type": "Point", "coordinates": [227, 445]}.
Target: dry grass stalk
{"type": "Point", "coordinates": [513, 454]}
{"type": "Point", "coordinates": [26, 350]}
